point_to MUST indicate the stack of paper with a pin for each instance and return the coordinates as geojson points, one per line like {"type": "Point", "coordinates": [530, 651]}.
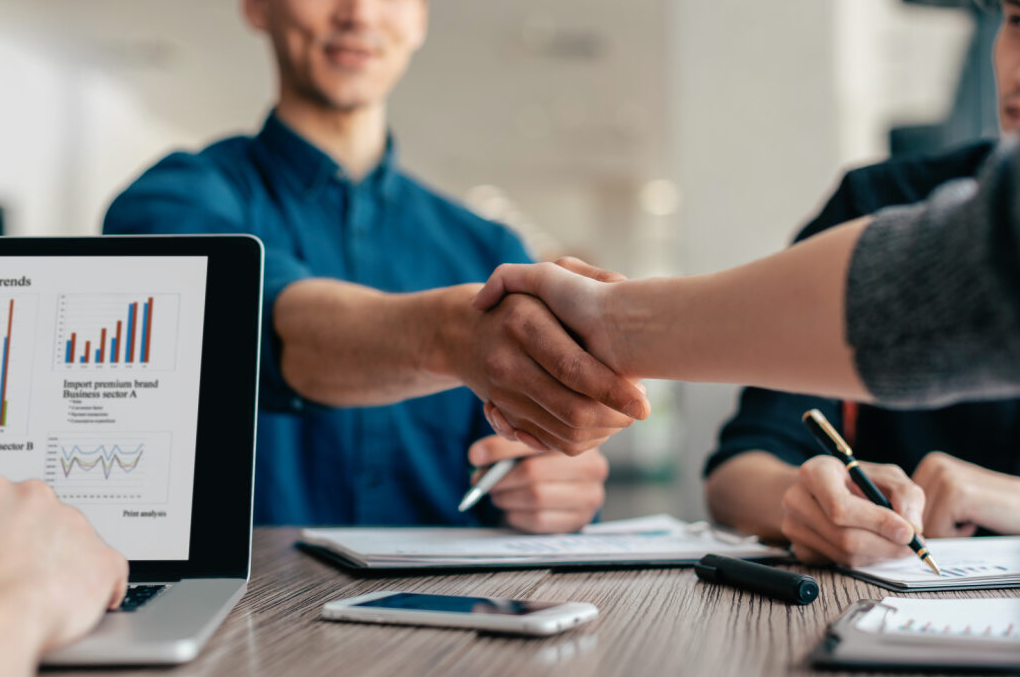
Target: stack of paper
{"type": "Point", "coordinates": [966, 563]}
{"type": "Point", "coordinates": [648, 540]}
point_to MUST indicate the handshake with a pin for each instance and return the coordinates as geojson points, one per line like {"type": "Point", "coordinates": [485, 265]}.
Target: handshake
{"type": "Point", "coordinates": [577, 387]}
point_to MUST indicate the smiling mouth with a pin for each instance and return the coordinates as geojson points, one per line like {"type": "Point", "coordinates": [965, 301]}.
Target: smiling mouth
{"type": "Point", "coordinates": [349, 56]}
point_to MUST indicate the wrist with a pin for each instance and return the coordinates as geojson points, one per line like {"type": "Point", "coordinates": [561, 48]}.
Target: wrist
{"type": "Point", "coordinates": [23, 630]}
{"type": "Point", "coordinates": [448, 316]}
{"type": "Point", "coordinates": [628, 320]}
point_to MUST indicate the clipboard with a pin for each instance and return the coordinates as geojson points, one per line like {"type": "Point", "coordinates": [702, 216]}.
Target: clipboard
{"type": "Point", "coordinates": [847, 647]}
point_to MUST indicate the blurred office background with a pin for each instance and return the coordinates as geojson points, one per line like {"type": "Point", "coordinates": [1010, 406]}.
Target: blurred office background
{"type": "Point", "coordinates": [649, 136]}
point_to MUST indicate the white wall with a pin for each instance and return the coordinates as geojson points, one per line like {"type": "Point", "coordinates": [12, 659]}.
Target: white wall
{"type": "Point", "coordinates": [771, 102]}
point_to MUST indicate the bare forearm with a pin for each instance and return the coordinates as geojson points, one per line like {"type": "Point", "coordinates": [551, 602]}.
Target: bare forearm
{"type": "Point", "coordinates": [348, 345]}
{"type": "Point", "coordinates": [777, 322]}
{"type": "Point", "coordinates": [20, 633]}
{"type": "Point", "coordinates": [746, 493]}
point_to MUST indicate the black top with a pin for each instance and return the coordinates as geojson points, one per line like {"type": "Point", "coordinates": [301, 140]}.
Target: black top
{"type": "Point", "coordinates": [986, 433]}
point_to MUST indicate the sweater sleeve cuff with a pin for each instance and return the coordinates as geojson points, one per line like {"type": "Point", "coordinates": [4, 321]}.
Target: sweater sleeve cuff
{"type": "Point", "coordinates": [931, 306]}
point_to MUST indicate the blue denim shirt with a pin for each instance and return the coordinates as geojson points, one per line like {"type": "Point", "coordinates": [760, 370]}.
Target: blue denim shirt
{"type": "Point", "coordinates": [400, 464]}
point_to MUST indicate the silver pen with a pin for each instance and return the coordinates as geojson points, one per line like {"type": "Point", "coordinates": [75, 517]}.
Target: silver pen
{"type": "Point", "coordinates": [492, 476]}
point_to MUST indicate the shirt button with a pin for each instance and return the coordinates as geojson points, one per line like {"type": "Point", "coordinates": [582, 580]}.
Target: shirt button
{"type": "Point", "coordinates": [297, 404]}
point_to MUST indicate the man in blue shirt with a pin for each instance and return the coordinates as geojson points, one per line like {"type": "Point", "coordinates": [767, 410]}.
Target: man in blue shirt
{"type": "Point", "coordinates": [368, 321]}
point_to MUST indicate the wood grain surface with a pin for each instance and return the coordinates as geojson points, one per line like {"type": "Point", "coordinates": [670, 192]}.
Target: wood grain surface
{"type": "Point", "coordinates": [651, 622]}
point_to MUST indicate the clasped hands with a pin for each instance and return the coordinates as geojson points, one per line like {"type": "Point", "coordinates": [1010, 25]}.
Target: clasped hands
{"type": "Point", "coordinates": [553, 379]}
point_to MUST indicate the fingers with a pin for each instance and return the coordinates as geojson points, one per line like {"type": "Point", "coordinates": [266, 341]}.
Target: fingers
{"type": "Point", "coordinates": [951, 495]}
{"type": "Point", "coordinates": [826, 481]}
{"type": "Point", "coordinates": [590, 467]}
{"type": "Point", "coordinates": [516, 277]}
{"type": "Point", "coordinates": [492, 449]}
{"type": "Point", "coordinates": [576, 265]}
{"type": "Point", "coordinates": [807, 528]}
{"type": "Point", "coordinates": [823, 517]}
{"type": "Point", "coordinates": [582, 373]}
{"type": "Point", "coordinates": [527, 416]}
{"type": "Point", "coordinates": [119, 568]}
{"type": "Point", "coordinates": [545, 384]}
{"type": "Point", "coordinates": [550, 493]}
{"type": "Point", "coordinates": [498, 422]}
{"type": "Point", "coordinates": [906, 497]}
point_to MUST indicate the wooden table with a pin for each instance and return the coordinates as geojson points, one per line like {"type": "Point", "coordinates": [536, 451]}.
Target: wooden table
{"type": "Point", "coordinates": [652, 622]}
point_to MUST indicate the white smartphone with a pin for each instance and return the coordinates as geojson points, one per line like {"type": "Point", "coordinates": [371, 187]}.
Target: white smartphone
{"type": "Point", "coordinates": [478, 613]}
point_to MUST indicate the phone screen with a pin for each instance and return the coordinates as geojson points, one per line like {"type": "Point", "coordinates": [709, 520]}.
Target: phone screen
{"type": "Point", "coordinates": [462, 605]}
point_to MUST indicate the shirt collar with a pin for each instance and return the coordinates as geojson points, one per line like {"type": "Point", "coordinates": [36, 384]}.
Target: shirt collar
{"type": "Point", "coordinates": [312, 169]}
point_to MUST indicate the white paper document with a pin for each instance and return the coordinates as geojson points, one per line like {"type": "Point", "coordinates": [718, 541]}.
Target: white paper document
{"type": "Point", "coordinates": [992, 562]}
{"type": "Point", "coordinates": [989, 623]}
{"type": "Point", "coordinates": [659, 538]}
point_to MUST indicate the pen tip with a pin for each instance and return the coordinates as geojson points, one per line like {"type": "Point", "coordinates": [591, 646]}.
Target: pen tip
{"type": "Point", "coordinates": [934, 567]}
{"type": "Point", "coordinates": [470, 498]}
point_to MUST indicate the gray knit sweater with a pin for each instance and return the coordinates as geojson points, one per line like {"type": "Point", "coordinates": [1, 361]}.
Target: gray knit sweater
{"type": "Point", "coordinates": [933, 294]}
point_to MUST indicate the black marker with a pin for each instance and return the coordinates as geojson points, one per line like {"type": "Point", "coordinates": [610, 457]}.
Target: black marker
{"type": "Point", "coordinates": [784, 585]}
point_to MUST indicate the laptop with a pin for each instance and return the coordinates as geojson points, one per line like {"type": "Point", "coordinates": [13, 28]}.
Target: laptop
{"type": "Point", "coordinates": [128, 383]}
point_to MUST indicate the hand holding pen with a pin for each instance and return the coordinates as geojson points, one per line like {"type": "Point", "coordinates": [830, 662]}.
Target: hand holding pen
{"type": "Point", "coordinates": [538, 492]}
{"type": "Point", "coordinates": [834, 444]}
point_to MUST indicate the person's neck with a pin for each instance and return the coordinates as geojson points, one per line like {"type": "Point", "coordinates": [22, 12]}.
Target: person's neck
{"type": "Point", "coordinates": [355, 139]}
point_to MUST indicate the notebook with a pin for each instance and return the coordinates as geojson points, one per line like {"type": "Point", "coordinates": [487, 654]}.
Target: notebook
{"type": "Point", "coordinates": [966, 563]}
{"type": "Point", "coordinates": [945, 633]}
{"type": "Point", "coordinates": [657, 539]}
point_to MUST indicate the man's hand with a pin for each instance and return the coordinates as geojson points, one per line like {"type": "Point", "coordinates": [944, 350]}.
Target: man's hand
{"type": "Point", "coordinates": [574, 291]}
{"type": "Point", "coordinates": [556, 419]}
{"type": "Point", "coordinates": [827, 518]}
{"type": "Point", "coordinates": [545, 492]}
{"type": "Point", "coordinates": [962, 496]}
{"type": "Point", "coordinates": [553, 394]}
{"type": "Point", "coordinates": [56, 575]}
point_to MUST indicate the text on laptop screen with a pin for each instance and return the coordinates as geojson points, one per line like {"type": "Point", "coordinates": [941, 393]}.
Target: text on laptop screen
{"type": "Point", "coordinates": [100, 361]}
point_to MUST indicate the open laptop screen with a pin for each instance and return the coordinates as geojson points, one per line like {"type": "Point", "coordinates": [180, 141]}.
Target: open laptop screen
{"type": "Point", "coordinates": [100, 365]}
{"type": "Point", "coordinates": [129, 384]}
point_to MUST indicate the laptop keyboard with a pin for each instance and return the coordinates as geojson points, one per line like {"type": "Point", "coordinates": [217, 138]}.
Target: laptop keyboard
{"type": "Point", "coordinates": [139, 595]}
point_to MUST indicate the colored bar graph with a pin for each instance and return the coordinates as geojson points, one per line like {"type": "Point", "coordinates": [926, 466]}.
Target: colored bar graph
{"type": "Point", "coordinates": [132, 314]}
{"type": "Point", "coordinates": [147, 331]}
{"type": "Point", "coordinates": [5, 365]}
{"type": "Point", "coordinates": [127, 340]}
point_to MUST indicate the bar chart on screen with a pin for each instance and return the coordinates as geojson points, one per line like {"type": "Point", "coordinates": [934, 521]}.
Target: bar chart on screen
{"type": "Point", "coordinates": [117, 331]}
{"type": "Point", "coordinates": [112, 467]}
{"type": "Point", "coordinates": [17, 348]}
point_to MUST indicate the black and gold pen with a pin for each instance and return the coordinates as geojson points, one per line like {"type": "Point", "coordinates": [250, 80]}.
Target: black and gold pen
{"type": "Point", "coordinates": [833, 443]}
